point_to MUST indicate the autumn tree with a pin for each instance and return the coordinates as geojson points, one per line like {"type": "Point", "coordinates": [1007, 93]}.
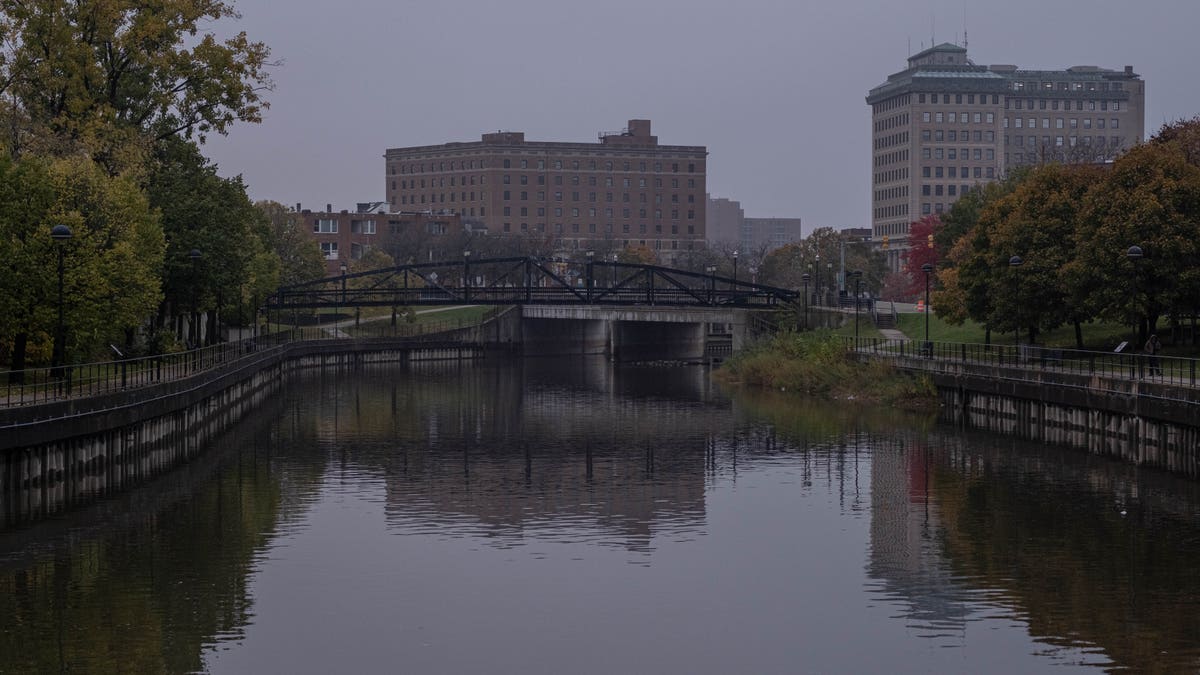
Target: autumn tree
{"type": "Point", "coordinates": [113, 77]}
{"type": "Point", "coordinates": [1150, 199]}
{"type": "Point", "coordinates": [922, 250]}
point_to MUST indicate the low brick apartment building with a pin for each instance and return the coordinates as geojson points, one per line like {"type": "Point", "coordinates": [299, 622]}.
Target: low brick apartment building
{"type": "Point", "coordinates": [344, 236]}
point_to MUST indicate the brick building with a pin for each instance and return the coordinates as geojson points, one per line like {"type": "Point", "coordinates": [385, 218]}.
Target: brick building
{"type": "Point", "coordinates": [945, 124]}
{"type": "Point", "coordinates": [344, 236]}
{"type": "Point", "coordinates": [626, 190]}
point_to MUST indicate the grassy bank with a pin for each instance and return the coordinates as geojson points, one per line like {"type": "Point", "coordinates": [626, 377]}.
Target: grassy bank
{"type": "Point", "coordinates": [819, 364]}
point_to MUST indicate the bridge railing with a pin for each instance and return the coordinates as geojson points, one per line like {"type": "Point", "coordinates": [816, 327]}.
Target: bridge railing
{"type": "Point", "coordinates": [1168, 370]}
{"type": "Point", "coordinates": [33, 386]}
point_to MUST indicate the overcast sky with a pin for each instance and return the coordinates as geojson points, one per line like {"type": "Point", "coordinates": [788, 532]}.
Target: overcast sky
{"type": "Point", "coordinates": [774, 88]}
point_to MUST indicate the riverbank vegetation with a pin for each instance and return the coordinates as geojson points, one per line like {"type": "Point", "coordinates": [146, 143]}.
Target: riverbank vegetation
{"type": "Point", "coordinates": [820, 364]}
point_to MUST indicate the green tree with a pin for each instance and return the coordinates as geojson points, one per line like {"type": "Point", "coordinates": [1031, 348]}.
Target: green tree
{"type": "Point", "coordinates": [1039, 222]}
{"type": "Point", "coordinates": [205, 212]}
{"type": "Point", "coordinates": [300, 257]}
{"type": "Point", "coordinates": [111, 263]}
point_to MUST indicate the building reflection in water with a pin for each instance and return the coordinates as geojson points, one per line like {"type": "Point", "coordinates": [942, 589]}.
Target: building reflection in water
{"type": "Point", "coordinates": [1095, 560]}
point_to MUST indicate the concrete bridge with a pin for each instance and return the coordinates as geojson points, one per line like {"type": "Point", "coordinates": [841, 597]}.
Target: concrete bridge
{"type": "Point", "coordinates": [627, 333]}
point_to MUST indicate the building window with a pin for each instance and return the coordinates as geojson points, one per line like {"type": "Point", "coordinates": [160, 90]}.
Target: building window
{"type": "Point", "coordinates": [330, 250]}
{"type": "Point", "coordinates": [326, 226]}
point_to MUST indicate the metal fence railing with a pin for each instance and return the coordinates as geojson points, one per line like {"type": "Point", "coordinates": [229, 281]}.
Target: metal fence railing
{"type": "Point", "coordinates": [1168, 370]}
{"type": "Point", "coordinates": [33, 386]}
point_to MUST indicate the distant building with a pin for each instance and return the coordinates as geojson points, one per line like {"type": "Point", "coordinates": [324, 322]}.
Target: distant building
{"type": "Point", "coordinates": [944, 124]}
{"type": "Point", "coordinates": [346, 236]}
{"type": "Point", "coordinates": [728, 224]}
{"type": "Point", "coordinates": [624, 191]}
{"type": "Point", "coordinates": [723, 220]}
{"type": "Point", "coordinates": [771, 232]}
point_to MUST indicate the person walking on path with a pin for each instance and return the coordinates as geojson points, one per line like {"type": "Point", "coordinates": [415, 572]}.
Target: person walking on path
{"type": "Point", "coordinates": [1153, 347]}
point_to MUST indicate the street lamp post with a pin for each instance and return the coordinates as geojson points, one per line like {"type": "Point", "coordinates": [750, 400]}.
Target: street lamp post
{"type": "Point", "coordinates": [712, 282]}
{"type": "Point", "coordinates": [466, 275]}
{"type": "Point", "coordinates": [735, 257]}
{"type": "Point", "coordinates": [340, 299]}
{"type": "Point", "coordinates": [805, 278]}
{"type": "Point", "coordinates": [60, 234]}
{"type": "Point", "coordinates": [928, 347]}
{"type": "Point", "coordinates": [194, 255]}
{"type": "Point", "coordinates": [1014, 263]}
{"type": "Point", "coordinates": [591, 257]}
{"type": "Point", "coordinates": [857, 274]}
{"type": "Point", "coordinates": [1134, 254]}
{"type": "Point", "coordinates": [817, 280]}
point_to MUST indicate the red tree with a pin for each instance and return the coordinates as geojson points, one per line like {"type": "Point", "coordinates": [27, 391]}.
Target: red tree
{"type": "Point", "coordinates": [921, 250]}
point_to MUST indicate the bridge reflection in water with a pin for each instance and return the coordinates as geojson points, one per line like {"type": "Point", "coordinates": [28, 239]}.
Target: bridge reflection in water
{"type": "Point", "coordinates": [367, 478]}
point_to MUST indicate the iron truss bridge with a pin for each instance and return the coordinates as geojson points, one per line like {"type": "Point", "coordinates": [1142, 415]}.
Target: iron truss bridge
{"type": "Point", "coordinates": [528, 281]}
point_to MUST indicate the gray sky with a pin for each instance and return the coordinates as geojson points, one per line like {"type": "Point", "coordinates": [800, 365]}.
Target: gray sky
{"type": "Point", "coordinates": [774, 88]}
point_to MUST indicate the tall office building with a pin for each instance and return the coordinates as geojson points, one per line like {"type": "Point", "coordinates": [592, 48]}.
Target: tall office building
{"type": "Point", "coordinates": [624, 191]}
{"type": "Point", "coordinates": [945, 124]}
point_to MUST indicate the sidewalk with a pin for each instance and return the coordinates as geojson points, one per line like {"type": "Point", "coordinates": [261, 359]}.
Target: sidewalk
{"type": "Point", "coordinates": [334, 329]}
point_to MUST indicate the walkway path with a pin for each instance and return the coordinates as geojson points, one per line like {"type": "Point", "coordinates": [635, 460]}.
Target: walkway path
{"type": "Point", "coordinates": [335, 329]}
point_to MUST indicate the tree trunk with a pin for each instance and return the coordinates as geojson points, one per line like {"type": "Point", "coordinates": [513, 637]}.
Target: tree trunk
{"type": "Point", "coordinates": [987, 335]}
{"type": "Point", "coordinates": [1078, 334]}
{"type": "Point", "coordinates": [17, 374]}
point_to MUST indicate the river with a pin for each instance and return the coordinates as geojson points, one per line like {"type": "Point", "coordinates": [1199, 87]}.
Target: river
{"type": "Point", "coordinates": [571, 516]}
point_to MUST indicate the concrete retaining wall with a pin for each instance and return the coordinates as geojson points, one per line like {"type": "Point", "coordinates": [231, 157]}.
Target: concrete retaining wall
{"type": "Point", "coordinates": [61, 451]}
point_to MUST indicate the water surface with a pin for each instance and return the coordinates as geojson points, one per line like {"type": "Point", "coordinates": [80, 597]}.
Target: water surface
{"type": "Point", "coordinates": [567, 516]}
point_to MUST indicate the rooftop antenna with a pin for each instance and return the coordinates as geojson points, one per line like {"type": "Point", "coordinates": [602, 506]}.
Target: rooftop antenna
{"type": "Point", "coordinates": [910, 45]}
{"type": "Point", "coordinates": [932, 33]}
{"type": "Point", "coordinates": [964, 24]}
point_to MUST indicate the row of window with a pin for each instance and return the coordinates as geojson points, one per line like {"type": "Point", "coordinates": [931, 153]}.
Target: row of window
{"type": "Point", "coordinates": [893, 103]}
{"type": "Point", "coordinates": [893, 122]}
{"type": "Point", "coordinates": [1059, 122]}
{"type": "Point", "coordinates": [957, 117]}
{"type": "Point", "coordinates": [435, 198]}
{"type": "Point", "coordinates": [894, 157]}
{"type": "Point", "coordinates": [559, 228]}
{"type": "Point", "coordinates": [592, 197]}
{"type": "Point", "coordinates": [1028, 85]}
{"type": "Point", "coordinates": [330, 226]}
{"type": "Point", "coordinates": [898, 192]}
{"type": "Point", "coordinates": [893, 211]}
{"type": "Point", "coordinates": [1060, 141]}
{"type": "Point", "coordinates": [891, 175]}
{"type": "Point", "coordinates": [953, 135]}
{"type": "Point", "coordinates": [540, 164]}
{"type": "Point", "coordinates": [593, 212]}
{"type": "Point", "coordinates": [959, 99]}
{"type": "Point", "coordinates": [938, 190]}
{"type": "Point", "coordinates": [958, 171]}
{"type": "Point", "coordinates": [1027, 104]}
{"type": "Point", "coordinates": [890, 140]}
{"type": "Point", "coordinates": [977, 154]}
{"type": "Point", "coordinates": [523, 179]}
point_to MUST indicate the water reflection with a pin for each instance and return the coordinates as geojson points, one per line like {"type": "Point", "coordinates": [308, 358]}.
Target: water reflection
{"type": "Point", "coordinates": [436, 517]}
